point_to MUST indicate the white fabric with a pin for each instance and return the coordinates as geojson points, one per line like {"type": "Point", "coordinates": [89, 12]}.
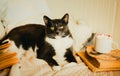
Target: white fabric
{"type": "Point", "coordinates": [2, 31]}
{"type": "Point", "coordinates": [25, 11]}
{"type": "Point", "coordinates": [30, 66]}
{"type": "Point", "coordinates": [80, 32]}
{"type": "Point", "coordinates": [3, 8]}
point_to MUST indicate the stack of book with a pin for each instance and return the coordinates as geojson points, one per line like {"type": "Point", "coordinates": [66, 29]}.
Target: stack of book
{"type": "Point", "coordinates": [7, 58]}
{"type": "Point", "coordinates": [100, 61]}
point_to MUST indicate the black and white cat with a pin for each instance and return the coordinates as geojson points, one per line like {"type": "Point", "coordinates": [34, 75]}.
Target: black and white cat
{"type": "Point", "coordinates": [52, 42]}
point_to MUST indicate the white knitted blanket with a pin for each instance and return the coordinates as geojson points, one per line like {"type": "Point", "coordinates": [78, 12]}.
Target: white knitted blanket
{"type": "Point", "coordinates": [30, 66]}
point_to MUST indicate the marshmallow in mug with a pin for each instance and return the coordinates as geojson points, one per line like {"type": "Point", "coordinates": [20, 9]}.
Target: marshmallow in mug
{"type": "Point", "coordinates": [103, 43]}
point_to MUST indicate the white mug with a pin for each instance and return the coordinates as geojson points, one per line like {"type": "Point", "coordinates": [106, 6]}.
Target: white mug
{"type": "Point", "coordinates": [103, 43]}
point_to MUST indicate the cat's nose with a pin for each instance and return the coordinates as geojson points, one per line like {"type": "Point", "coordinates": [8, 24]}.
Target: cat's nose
{"type": "Point", "coordinates": [57, 33]}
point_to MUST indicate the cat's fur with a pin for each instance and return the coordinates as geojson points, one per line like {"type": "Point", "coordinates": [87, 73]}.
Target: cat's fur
{"type": "Point", "coordinates": [53, 41]}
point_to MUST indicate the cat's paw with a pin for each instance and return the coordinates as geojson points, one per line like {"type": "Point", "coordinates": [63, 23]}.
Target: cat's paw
{"type": "Point", "coordinates": [70, 64]}
{"type": "Point", "coordinates": [56, 68]}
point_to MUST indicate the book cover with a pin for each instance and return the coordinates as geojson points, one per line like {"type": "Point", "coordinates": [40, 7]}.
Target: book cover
{"type": "Point", "coordinates": [96, 65]}
{"type": "Point", "coordinates": [7, 58]}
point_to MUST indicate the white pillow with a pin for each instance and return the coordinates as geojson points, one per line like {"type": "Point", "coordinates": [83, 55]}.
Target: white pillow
{"type": "Point", "coordinates": [25, 11]}
{"type": "Point", "coordinates": [3, 8]}
{"type": "Point", "coordinates": [80, 33]}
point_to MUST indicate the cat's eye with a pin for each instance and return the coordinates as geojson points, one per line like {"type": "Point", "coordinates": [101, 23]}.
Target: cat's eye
{"type": "Point", "coordinates": [61, 27]}
{"type": "Point", "coordinates": [52, 28]}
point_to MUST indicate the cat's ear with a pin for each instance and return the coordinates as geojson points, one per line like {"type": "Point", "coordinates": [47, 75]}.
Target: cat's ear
{"type": "Point", "coordinates": [65, 18]}
{"type": "Point", "coordinates": [46, 19]}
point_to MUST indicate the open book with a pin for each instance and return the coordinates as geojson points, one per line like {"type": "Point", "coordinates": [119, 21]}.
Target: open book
{"type": "Point", "coordinates": [97, 64]}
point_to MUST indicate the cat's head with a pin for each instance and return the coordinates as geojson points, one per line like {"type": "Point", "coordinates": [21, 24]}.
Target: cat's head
{"type": "Point", "coordinates": [57, 28]}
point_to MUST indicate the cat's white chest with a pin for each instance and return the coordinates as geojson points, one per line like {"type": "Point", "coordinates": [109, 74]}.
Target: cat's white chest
{"type": "Point", "coordinates": [60, 45]}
